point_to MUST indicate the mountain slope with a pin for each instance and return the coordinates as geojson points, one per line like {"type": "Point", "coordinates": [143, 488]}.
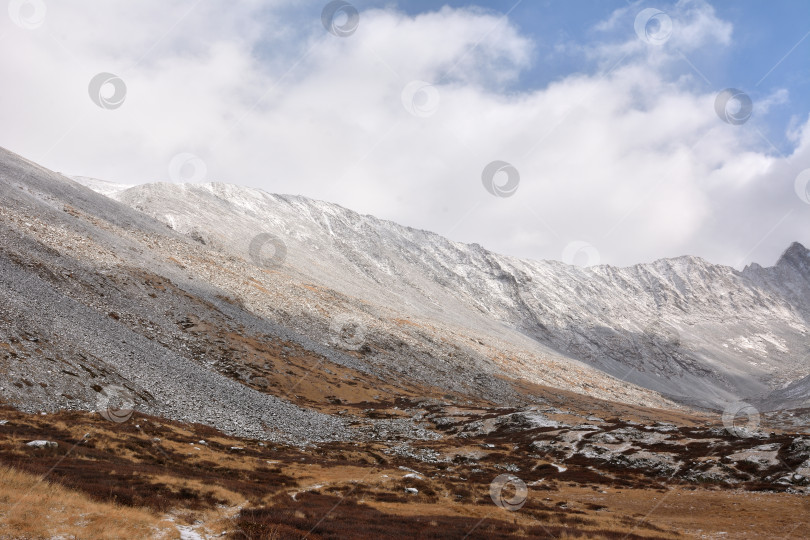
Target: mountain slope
{"type": "Point", "coordinates": [103, 304]}
{"type": "Point", "coordinates": [88, 308]}
{"type": "Point", "coordinates": [699, 333]}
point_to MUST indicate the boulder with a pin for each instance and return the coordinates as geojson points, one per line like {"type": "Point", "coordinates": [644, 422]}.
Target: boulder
{"type": "Point", "coordinates": [42, 444]}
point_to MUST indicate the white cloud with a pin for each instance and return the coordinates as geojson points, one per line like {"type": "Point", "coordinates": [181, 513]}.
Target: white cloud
{"type": "Point", "coordinates": [633, 161]}
{"type": "Point", "coordinates": [694, 25]}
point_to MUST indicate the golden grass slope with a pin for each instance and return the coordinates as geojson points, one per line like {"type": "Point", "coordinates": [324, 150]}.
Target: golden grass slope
{"type": "Point", "coordinates": [32, 507]}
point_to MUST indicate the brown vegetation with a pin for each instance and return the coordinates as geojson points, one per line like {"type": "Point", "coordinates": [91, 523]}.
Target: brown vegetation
{"type": "Point", "coordinates": [149, 469]}
{"type": "Point", "coordinates": [31, 507]}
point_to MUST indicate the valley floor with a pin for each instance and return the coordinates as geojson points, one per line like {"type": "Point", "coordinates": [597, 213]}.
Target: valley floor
{"type": "Point", "coordinates": [150, 477]}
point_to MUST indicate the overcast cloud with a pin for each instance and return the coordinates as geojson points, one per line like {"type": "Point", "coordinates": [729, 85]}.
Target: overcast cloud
{"type": "Point", "coordinates": [625, 153]}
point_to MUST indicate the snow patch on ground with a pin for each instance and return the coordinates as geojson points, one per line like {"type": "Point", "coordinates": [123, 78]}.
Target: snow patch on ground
{"type": "Point", "coordinates": [188, 533]}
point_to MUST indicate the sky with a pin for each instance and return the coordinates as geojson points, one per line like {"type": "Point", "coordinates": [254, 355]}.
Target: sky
{"type": "Point", "coordinates": [593, 132]}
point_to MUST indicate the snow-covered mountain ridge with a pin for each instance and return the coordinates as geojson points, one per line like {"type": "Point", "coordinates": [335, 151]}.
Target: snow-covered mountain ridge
{"type": "Point", "coordinates": [102, 302]}
{"type": "Point", "coordinates": [700, 333]}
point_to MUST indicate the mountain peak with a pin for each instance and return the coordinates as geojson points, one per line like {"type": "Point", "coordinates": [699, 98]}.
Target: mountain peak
{"type": "Point", "coordinates": [796, 256]}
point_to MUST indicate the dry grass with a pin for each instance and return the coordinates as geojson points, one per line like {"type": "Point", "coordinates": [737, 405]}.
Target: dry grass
{"type": "Point", "coordinates": [125, 476]}
{"type": "Point", "coordinates": [179, 485]}
{"type": "Point", "coordinates": [35, 508]}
